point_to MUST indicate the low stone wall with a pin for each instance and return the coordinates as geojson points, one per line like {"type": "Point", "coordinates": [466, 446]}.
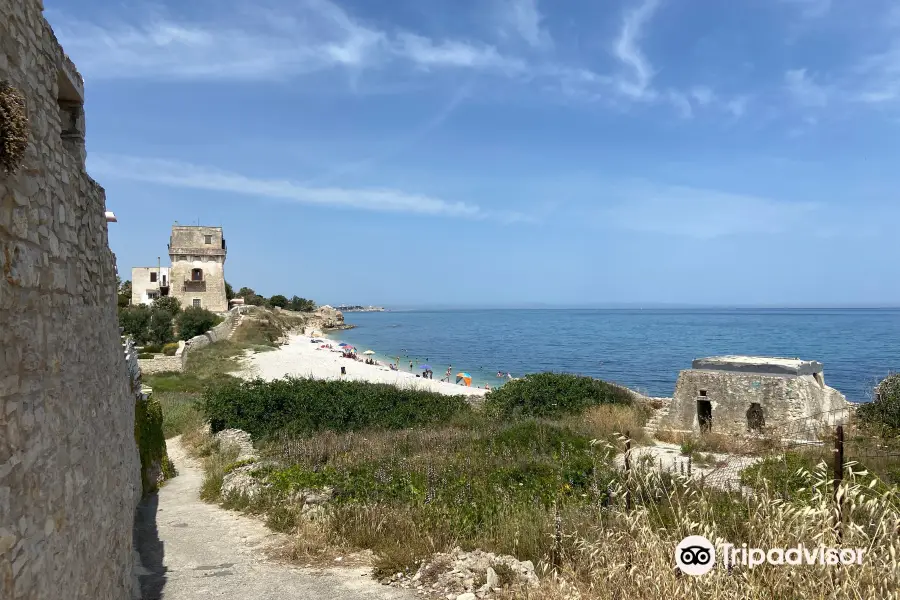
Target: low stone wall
{"type": "Point", "coordinates": [161, 364]}
{"type": "Point", "coordinates": [220, 332]}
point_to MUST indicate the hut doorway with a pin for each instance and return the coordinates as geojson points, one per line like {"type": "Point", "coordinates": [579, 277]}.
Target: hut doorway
{"type": "Point", "coordinates": [704, 415]}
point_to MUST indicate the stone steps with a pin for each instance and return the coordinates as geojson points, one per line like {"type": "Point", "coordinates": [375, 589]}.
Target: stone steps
{"type": "Point", "coordinates": [659, 415]}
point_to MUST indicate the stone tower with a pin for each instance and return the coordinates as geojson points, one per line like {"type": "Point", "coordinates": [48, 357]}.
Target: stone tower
{"type": "Point", "coordinates": [197, 274]}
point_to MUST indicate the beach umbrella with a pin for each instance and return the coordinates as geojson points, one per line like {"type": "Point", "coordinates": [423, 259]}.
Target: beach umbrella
{"type": "Point", "coordinates": [425, 367]}
{"type": "Point", "coordinates": [342, 344]}
{"type": "Point", "coordinates": [464, 377]}
{"type": "Point", "coordinates": [369, 352]}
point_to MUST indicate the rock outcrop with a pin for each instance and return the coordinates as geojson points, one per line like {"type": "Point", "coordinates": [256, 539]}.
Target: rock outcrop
{"type": "Point", "coordinates": [466, 575]}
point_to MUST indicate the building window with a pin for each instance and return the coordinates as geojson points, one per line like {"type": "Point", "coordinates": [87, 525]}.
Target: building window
{"type": "Point", "coordinates": [196, 274]}
{"type": "Point", "coordinates": [209, 239]}
{"type": "Point", "coordinates": [196, 303]}
{"type": "Point", "coordinates": [152, 295]}
{"type": "Point", "coordinates": [152, 277]}
{"type": "Point", "coordinates": [703, 393]}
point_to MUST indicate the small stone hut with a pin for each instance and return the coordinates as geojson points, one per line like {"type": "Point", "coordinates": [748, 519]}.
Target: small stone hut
{"type": "Point", "coordinates": [751, 394]}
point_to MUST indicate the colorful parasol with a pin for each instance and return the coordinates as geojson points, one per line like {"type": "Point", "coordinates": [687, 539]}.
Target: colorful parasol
{"type": "Point", "coordinates": [464, 377]}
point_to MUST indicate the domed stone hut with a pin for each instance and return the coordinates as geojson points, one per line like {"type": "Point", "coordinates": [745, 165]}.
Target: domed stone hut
{"type": "Point", "coordinates": [751, 394]}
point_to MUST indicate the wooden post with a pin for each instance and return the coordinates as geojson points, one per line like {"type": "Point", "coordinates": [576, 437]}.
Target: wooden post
{"type": "Point", "coordinates": [838, 478]}
{"type": "Point", "coordinates": [627, 471]}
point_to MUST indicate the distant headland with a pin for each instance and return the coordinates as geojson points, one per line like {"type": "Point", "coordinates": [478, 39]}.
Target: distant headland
{"type": "Point", "coordinates": [357, 308]}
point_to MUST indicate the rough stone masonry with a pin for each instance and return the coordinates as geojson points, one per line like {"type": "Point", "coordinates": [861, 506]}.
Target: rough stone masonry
{"type": "Point", "coordinates": [69, 468]}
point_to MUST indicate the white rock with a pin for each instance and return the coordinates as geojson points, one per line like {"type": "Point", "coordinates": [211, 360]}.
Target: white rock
{"type": "Point", "coordinates": [492, 579]}
{"type": "Point", "coordinates": [466, 596]}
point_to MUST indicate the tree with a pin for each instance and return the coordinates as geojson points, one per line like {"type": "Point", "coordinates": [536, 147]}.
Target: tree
{"type": "Point", "coordinates": [229, 291]}
{"type": "Point", "coordinates": [301, 304]}
{"type": "Point", "coordinates": [135, 320]}
{"type": "Point", "coordinates": [170, 304]}
{"type": "Point", "coordinates": [251, 297]}
{"type": "Point", "coordinates": [124, 292]}
{"type": "Point", "coordinates": [194, 321]}
{"type": "Point", "coordinates": [279, 301]}
{"type": "Point", "coordinates": [159, 330]}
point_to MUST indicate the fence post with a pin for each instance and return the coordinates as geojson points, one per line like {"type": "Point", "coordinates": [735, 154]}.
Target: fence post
{"type": "Point", "coordinates": [838, 477]}
{"type": "Point", "coordinates": [627, 471]}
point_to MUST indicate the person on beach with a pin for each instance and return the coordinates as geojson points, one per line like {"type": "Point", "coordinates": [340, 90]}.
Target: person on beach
{"type": "Point", "coordinates": [509, 375]}
{"type": "Point", "coordinates": [499, 374]}
{"type": "Point", "coordinates": [410, 366]}
{"type": "Point", "coordinates": [447, 374]}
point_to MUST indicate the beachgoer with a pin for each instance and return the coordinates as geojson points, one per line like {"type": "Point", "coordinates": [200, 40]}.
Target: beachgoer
{"type": "Point", "coordinates": [487, 386]}
{"type": "Point", "coordinates": [410, 365]}
{"type": "Point", "coordinates": [509, 375]}
{"type": "Point", "coordinates": [449, 370]}
{"type": "Point", "coordinates": [499, 374]}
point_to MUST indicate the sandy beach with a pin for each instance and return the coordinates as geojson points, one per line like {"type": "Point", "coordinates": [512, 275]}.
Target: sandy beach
{"type": "Point", "coordinates": [302, 358]}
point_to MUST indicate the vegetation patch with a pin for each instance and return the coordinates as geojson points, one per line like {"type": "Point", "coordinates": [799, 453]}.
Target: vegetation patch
{"type": "Point", "coordinates": [553, 395]}
{"type": "Point", "coordinates": [883, 414]}
{"type": "Point", "coordinates": [151, 443]}
{"type": "Point", "coordinates": [302, 406]}
{"type": "Point", "coordinates": [194, 321]}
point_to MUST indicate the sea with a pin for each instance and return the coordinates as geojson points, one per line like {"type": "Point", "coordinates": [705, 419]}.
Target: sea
{"type": "Point", "coordinates": [641, 349]}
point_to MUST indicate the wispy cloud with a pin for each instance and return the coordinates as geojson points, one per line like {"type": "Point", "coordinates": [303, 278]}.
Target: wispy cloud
{"type": "Point", "coordinates": [702, 213]}
{"type": "Point", "coordinates": [636, 82]}
{"type": "Point", "coordinates": [186, 175]}
{"type": "Point", "coordinates": [804, 89]}
{"type": "Point", "coordinates": [426, 53]}
{"type": "Point", "coordinates": [880, 73]}
{"type": "Point", "coordinates": [524, 18]}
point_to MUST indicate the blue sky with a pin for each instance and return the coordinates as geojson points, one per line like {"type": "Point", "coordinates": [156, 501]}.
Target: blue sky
{"type": "Point", "coordinates": [505, 151]}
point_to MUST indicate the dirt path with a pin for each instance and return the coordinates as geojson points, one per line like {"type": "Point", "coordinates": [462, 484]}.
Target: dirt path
{"type": "Point", "coordinates": [191, 550]}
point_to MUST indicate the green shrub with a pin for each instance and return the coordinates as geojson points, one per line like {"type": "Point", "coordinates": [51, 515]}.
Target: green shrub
{"type": "Point", "coordinates": [278, 300]}
{"type": "Point", "coordinates": [307, 405]}
{"type": "Point", "coordinates": [194, 321]}
{"type": "Point", "coordinates": [146, 356]}
{"type": "Point", "coordinates": [151, 443]}
{"type": "Point", "coordinates": [170, 349]}
{"type": "Point", "coordinates": [883, 413]}
{"type": "Point", "coordinates": [170, 304]}
{"type": "Point", "coordinates": [553, 394]}
{"type": "Point", "coordinates": [151, 348]}
{"type": "Point", "coordinates": [135, 321]}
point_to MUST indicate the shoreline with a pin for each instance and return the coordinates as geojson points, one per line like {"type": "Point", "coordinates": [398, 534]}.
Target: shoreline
{"type": "Point", "coordinates": [299, 357]}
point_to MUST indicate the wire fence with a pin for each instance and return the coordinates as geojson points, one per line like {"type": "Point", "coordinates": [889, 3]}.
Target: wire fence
{"type": "Point", "coordinates": [834, 442]}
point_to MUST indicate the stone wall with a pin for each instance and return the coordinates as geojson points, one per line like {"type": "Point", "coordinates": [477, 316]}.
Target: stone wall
{"type": "Point", "coordinates": [161, 364]}
{"type": "Point", "coordinates": [69, 467]}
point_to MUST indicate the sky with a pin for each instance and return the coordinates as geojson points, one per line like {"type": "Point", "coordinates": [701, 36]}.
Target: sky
{"type": "Point", "coordinates": [504, 152]}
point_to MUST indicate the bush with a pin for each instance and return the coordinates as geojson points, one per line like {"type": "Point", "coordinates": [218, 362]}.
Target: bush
{"type": "Point", "coordinates": [194, 321]}
{"type": "Point", "coordinates": [146, 356]}
{"type": "Point", "coordinates": [170, 304]}
{"type": "Point", "coordinates": [151, 443]}
{"type": "Point", "coordinates": [307, 405]}
{"type": "Point", "coordinates": [553, 394]}
{"type": "Point", "coordinates": [883, 413]}
{"type": "Point", "coordinates": [170, 349]}
{"type": "Point", "coordinates": [279, 301]}
{"type": "Point", "coordinates": [301, 304]}
{"type": "Point", "coordinates": [135, 321]}
{"type": "Point", "coordinates": [150, 349]}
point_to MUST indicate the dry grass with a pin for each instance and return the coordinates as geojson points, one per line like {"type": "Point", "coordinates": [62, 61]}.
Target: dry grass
{"type": "Point", "coordinates": [627, 555]}
{"type": "Point", "coordinates": [716, 442]}
{"type": "Point", "coordinates": [609, 421]}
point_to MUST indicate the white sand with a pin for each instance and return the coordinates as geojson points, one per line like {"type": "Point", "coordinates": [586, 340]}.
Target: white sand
{"type": "Point", "coordinates": [301, 358]}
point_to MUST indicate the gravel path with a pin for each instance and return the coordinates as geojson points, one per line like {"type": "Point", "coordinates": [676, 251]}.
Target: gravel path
{"type": "Point", "coordinates": [191, 550]}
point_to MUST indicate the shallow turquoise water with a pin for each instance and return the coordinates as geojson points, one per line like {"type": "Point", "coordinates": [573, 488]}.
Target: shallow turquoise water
{"type": "Point", "coordinates": [643, 349]}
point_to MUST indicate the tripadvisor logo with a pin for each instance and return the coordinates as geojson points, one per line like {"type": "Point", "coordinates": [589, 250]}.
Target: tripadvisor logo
{"type": "Point", "coordinates": [696, 555]}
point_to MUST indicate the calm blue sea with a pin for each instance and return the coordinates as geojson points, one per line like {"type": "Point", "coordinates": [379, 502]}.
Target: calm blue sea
{"type": "Point", "coordinates": [642, 349]}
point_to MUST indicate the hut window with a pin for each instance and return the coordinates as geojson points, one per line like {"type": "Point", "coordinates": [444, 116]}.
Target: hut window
{"type": "Point", "coordinates": [196, 274]}
{"type": "Point", "coordinates": [703, 393]}
{"type": "Point", "coordinates": [209, 239]}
